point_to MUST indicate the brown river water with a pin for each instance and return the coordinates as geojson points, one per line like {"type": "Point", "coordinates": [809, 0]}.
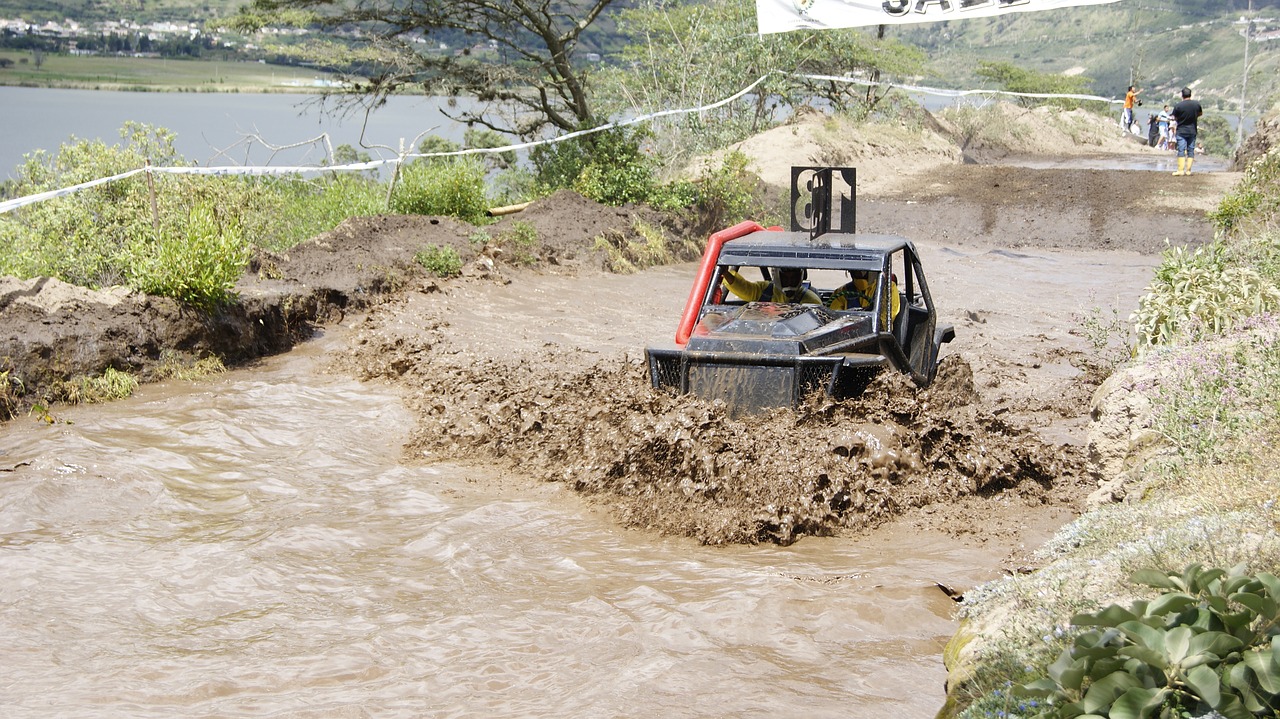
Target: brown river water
{"type": "Point", "coordinates": [254, 545]}
{"type": "Point", "coordinates": [251, 545]}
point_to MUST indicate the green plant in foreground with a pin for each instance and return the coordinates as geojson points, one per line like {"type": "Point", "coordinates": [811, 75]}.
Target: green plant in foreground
{"type": "Point", "coordinates": [1199, 294]}
{"type": "Point", "coordinates": [1209, 643]}
{"type": "Point", "coordinates": [439, 261]}
{"type": "Point", "coordinates": [197, 261]}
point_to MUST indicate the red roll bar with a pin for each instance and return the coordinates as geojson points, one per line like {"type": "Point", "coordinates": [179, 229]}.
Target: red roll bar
{"type": "Point", "coordinates": [706, 270]}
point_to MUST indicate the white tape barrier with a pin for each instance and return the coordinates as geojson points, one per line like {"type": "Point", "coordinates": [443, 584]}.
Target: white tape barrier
{"type": "Point", "coordinates": [10, 205]}
{"type": "Point", "coordinates": [32, 199]}
{"type": "Point", "coordinates": [956, 93]}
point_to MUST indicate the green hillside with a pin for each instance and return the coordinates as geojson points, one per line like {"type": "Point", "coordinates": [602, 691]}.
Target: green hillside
{"type": "Point", "coordinates": [142, 11]}
{"type": "Point", "coordinates": [1158, 46]}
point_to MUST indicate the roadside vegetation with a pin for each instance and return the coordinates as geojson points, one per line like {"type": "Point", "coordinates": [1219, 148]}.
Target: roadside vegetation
{"type": "Point", "coordinates": [1163, 602]}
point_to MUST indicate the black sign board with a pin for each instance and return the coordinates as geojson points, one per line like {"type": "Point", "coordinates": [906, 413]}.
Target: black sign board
{"type": "Point", "coordinates": [822, 199]}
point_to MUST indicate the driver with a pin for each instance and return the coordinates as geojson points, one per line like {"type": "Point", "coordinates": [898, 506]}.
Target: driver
{"type": "Point", "coordinates": [787, 286]}
{"type": "Point", "coordinates": [859, 293]}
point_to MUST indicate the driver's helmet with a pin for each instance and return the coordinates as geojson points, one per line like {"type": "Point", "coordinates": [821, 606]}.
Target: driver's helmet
{"type": "Point", "coordinates": [788, 279]}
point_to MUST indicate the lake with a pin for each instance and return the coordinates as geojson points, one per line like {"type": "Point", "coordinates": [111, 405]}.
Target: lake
{"type": "Point", "coordinates": [213, 128]}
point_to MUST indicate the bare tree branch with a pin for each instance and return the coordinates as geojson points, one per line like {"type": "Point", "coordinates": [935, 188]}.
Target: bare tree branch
{"type": "Point", "coordinates": [387, 43]}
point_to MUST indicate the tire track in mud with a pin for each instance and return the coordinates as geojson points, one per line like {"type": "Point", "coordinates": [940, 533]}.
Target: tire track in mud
{"type": "Point", "coordinates": [678, 465]}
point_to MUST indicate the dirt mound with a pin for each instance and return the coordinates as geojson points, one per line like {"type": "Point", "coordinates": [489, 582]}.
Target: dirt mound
{"type": "Point", "coordinates": [1017, 207]}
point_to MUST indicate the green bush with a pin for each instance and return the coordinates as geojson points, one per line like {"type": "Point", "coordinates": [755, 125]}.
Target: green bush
{"type": "Point", "coordinates": [522, 240]}
{"type": "Point", "coordinates": [453, 187]}
{"type": "Point", "coordinates": [728, 194]}
{"type": "Point", "coordinates": [81, 238]}
{"type": "Point", "coordinates": [439, 261]}
{"type": "Point", "coordinates": [197, 261]}
{"type": "Point", "coordinates": [1202, 293]}
{"type": "Point", "coordinates": [311, 207]}
{"type": "Point", "coordinates": [608, 167]}
{"type": "Point", "coordinates": [1209, 643]}
{"type": "Point", "coordinates": [1256, 197]}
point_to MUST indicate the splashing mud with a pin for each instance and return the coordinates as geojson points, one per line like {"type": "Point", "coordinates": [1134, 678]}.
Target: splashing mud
{"type": "Point", "coordinates": [679, 465]}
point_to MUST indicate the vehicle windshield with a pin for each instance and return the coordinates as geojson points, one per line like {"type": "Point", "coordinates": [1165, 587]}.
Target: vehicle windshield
{"type": "Point", "coordinates": [834, 289]}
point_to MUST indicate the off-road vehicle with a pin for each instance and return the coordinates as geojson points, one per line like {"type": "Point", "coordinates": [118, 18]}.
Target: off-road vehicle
{"type": "Point", "coordinates": [757, 354]}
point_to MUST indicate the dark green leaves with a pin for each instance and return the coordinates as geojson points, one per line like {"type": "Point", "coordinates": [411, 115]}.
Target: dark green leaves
{"type": "Point", "coordinates": [1210, 643]}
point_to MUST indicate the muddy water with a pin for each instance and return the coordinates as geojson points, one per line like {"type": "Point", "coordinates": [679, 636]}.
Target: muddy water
{"type": "Point", "coordinates": [252, 546]}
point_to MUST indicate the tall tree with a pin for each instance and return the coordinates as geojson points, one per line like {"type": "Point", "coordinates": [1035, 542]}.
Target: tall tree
{"type": "Point", "coordinates": [517, 56]}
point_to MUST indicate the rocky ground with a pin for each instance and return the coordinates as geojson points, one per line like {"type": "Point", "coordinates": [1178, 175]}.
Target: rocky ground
{"type": "Point", "coordinates": [533, 359]}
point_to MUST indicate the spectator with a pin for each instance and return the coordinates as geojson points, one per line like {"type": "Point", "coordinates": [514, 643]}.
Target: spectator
{"type": "Point", "coordinates": [1186, 114]}
{"type": "Point", "coordinates": [1126, 115]}
{"type": "Point", "coordinates": [1163, 121]}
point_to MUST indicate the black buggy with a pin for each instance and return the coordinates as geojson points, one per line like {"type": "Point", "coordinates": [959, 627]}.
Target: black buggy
{"type": "Point", "coordinates": [756, 355]}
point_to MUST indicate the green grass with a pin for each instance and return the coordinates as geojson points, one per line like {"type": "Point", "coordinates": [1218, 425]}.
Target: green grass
{"type": "Point", "coordinates": [155, 74]}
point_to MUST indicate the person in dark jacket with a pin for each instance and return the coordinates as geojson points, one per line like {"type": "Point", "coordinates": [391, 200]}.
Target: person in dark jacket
{"type": "Point", "coordinates": [1186, 113]}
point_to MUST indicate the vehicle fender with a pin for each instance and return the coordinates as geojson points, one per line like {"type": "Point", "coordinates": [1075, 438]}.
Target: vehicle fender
{"type": "Point", "coordinates": [943, 335]}
{"type": "Point", "coordinates": [890, 348]}
{"type": "Point", "coordinates": [705, 270]}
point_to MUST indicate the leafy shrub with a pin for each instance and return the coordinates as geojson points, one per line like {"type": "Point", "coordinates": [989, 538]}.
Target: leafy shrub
{"type": "Point", "coordinates": [197, 261]}
{"type": "Point", "coordinates": [522, 240]}
{"type": "Point", "coordinates": [1209, 643]}
{"type": "Point", "coordinates": [311, 207]}
{"type": "Point", "coordinates": [728, 194]}
{"type": "Point", "coordinates": [608, 167]}
{"type": "Point", "coordinates": [453, 187]}
{"type": "Point", "coordinates": [439, 261]}
{"type": "Point", "coordinates": [1256, 197]}
{"type": "Point", "coordinates": [81, 238]}
{"type": "Point", "coordinates": [110, 234]}
{"type": "Point", "coordinates": [678, 195]}
{"type": "Point", "coordinates": [1201, 293]}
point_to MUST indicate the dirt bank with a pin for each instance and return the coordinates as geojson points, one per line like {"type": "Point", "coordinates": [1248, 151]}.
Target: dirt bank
{"type": "Point", "coordinates": [533, 359]}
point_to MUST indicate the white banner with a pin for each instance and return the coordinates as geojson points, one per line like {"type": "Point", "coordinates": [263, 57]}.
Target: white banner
{"type": "Point", "coordinates": [787, 15]}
